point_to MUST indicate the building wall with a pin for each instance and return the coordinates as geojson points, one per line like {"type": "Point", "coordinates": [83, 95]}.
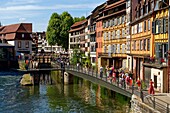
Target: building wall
{"type": "Point", "coordinates": [99, 35]}
{"type": "Point", "coordinates": [23, 46]}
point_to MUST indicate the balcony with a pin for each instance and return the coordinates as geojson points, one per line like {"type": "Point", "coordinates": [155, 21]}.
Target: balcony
{"type": "Point", "coordinates": [155, 62]}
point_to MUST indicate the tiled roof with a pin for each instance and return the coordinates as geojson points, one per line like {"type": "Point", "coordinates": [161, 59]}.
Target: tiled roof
{"type": "Point", "coordinates": [25, 27]}
{"type": "Point", "coordinates": [10, 36]}
{"type": "Point", "coordinates": [79, 23]}
{"type": "Point", "coordinates": [76, 29]}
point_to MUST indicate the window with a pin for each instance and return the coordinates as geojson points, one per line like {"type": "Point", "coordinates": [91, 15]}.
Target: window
{"type": "Point", "coordinates": [157, 30]}
{"type": "Point", "coordinates": [148, 45]}
{"type": "Point", "coordinates": [109, 35]}
{"type": "Point", "coordinates": [165, 29]}
{"type": "Point", "coordinates": [144, 45]}
{"type": "Point", "coordinates": [22, 35]}
{"type": "Point", "coordinates": [107, 24]}
{"type": "Point", "coordinates": [141, 11]}
{"type": "Point", "coordinates": [128, 17]}
{"type": "Point", "coordinates": [118, 20]}
{"type": "Point", "coordinates": [105, 48]}
{"type": "Point", "coordinates": [144, 25]}
{"type": "Point", "coordinates": [123, 19]}
{"type": "Point", "coordinates": [134, 45]}
{"type": "Point", "coordinates": [146, 9]}
{"type": "Point", "coordinates": [19, 44]}
{"type": "Point", "coordinates": [113, 34]}
{"type": "Point", "coordinates": [128, 3]}
{"type": "Point", "coordinates": [115, 21]}
{"type": "Point", "coordinates": [139, 27]}
{"type": "Point", "coordinates": [161, 25]}
{"type": "Point", "coordinates": [137, 14]}
{"type": "Point", "coordinates": [141, 44]}
{"type": "Point", "coordinates": [149, 25]}
{"type": "Point", "coordinates": [152, 5]}
{"type": "Point", "coordinates": [132, 30]}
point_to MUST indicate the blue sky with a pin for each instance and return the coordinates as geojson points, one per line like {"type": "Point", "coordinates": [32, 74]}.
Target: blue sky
{"type": "Point", "coordinates": [38, 12]}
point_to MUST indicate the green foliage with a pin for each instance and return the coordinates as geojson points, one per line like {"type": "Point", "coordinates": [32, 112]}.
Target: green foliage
{"type": "Point", "coordinates": [66, 23]}
{"type": "Point", "coordinates": [53, 30]}
{"type": "Point", "coordinates": [77, 19]}
{"type": "Point", "coordinates": [57, 30]}
{"type": "Point", "coordinates": [77, 57]}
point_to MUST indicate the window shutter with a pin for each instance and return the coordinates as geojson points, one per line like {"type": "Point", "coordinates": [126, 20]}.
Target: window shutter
{"type": "Point", "coordinates": [161, 25]}
{"type": "Point", "coordinates": [106, 23]}
{"type": "Point", "coordinates": [104, 49]}
{"type": "Point", "coordinates": [104, 35]}
{"type": "Point", "coordinates": [115, 47]}
{"type": "Point", "coordinates": [120, 20]}
{"type": "Point", "coordinates": [109, 35]}
{"type": "Point", "coordinates": [122, 48]}
{"type": "Point", "coordinates": [113, 34]}
{"type": "Point", "coordinates": [165, 29]}
{"type": "Point", "coordinates": [153, 27]}
{"type": "Point", "coordinates": [118, 48]}
{"type": "Point", "coordinates": [115, 21]}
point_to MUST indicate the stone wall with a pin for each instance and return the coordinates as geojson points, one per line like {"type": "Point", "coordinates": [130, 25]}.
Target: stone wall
{"type": "Point", "coordinates": [137, 106]}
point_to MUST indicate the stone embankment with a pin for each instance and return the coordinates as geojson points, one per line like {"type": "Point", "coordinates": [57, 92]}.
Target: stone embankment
{"type": "Point", "coordinates": [137, 106]}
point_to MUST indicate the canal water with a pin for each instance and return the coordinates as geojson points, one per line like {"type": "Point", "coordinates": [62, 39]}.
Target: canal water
{"type": "Point", "coordinates": [53, 97]}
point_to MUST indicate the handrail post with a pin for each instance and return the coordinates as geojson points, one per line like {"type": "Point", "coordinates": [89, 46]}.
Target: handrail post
{"type": "Point", "coordinates": [132, 88]}
{"type": "Point", "coordinates": [96, 73]}
{"type": "Point", "coordinates": [167, 108]}
{"type": "Point", "coordinates": [153, 102]}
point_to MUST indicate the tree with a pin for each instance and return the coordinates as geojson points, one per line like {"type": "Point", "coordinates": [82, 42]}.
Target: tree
{"type": "Point", "coordinates": [67, 22]}
{"type": "Point", "coordinates": [57, 30]}
{"type": "Point", "coordinates": [77, 19]}
{"type": "Point", "coordinates": [53, 30]}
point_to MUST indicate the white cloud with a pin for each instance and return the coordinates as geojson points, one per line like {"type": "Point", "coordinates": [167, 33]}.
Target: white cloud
{"type": "Point", "coordinates": [22, 2]}
{"type": "Point", "coordinates": [37, 7]}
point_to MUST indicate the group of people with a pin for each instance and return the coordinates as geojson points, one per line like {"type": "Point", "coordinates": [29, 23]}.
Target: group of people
{"type": "Point", "coordinates": [116, 76]}
{"type": "Point", "coordinates": [123, 79]}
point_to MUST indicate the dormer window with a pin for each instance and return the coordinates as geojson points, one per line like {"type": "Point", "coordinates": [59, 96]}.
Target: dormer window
{"type": "Point", "coordinates": [22, 35]}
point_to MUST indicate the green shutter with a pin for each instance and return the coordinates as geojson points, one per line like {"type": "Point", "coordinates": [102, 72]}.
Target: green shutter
{"type": "Point", "coordinates": [161, 25]}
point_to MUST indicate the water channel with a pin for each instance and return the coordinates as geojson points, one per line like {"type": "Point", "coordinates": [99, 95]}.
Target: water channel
{"type": "Point", "coordinates": [53, 97]}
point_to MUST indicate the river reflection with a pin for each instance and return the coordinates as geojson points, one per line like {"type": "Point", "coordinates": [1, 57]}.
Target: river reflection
{"type": "Point", "coordinates": [80, 97]}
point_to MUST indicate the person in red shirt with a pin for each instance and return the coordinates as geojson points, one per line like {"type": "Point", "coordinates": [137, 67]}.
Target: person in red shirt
{"type": "Point", "coordinates": [138, 82]}
{"type": "Point", "coordinates": [151, 88]}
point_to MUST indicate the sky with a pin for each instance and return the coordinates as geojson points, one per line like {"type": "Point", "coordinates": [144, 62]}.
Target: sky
{"type": "Point", "coordinates": [38, 12]}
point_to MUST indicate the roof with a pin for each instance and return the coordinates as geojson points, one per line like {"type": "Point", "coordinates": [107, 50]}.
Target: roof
{"type": "Point", "coordinates": [79, 23]}
{"type": "Point", "coordinates": [76, 29]}
{"type": "Point", "coordinates": [21, 27]}
{"type": "Point", "coordinates": [116, 4]}
{"type": "Point", "coordinates": [98, 7]}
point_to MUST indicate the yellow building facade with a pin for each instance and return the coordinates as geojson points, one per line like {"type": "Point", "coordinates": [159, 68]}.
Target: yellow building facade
{"type": "Point", "coordinates": [114, 35]}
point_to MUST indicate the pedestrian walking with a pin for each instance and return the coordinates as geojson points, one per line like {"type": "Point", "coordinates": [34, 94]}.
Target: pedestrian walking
{"type": "Point", "coordinates": [151, 88]}
{"type": "Point", "coordinates": [101, 72]}
{"type": "Point", "coordinates": [138, 82]}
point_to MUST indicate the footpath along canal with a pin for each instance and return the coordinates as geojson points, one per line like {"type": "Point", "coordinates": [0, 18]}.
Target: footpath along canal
{"type": "Point", "coordinates": [53, 97]}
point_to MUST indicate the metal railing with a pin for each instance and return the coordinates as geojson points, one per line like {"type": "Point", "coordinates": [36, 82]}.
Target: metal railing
{"type": "Point", "coordinates": [104, 77]}
{"type": "Point", "coordinates": [157, 103]}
